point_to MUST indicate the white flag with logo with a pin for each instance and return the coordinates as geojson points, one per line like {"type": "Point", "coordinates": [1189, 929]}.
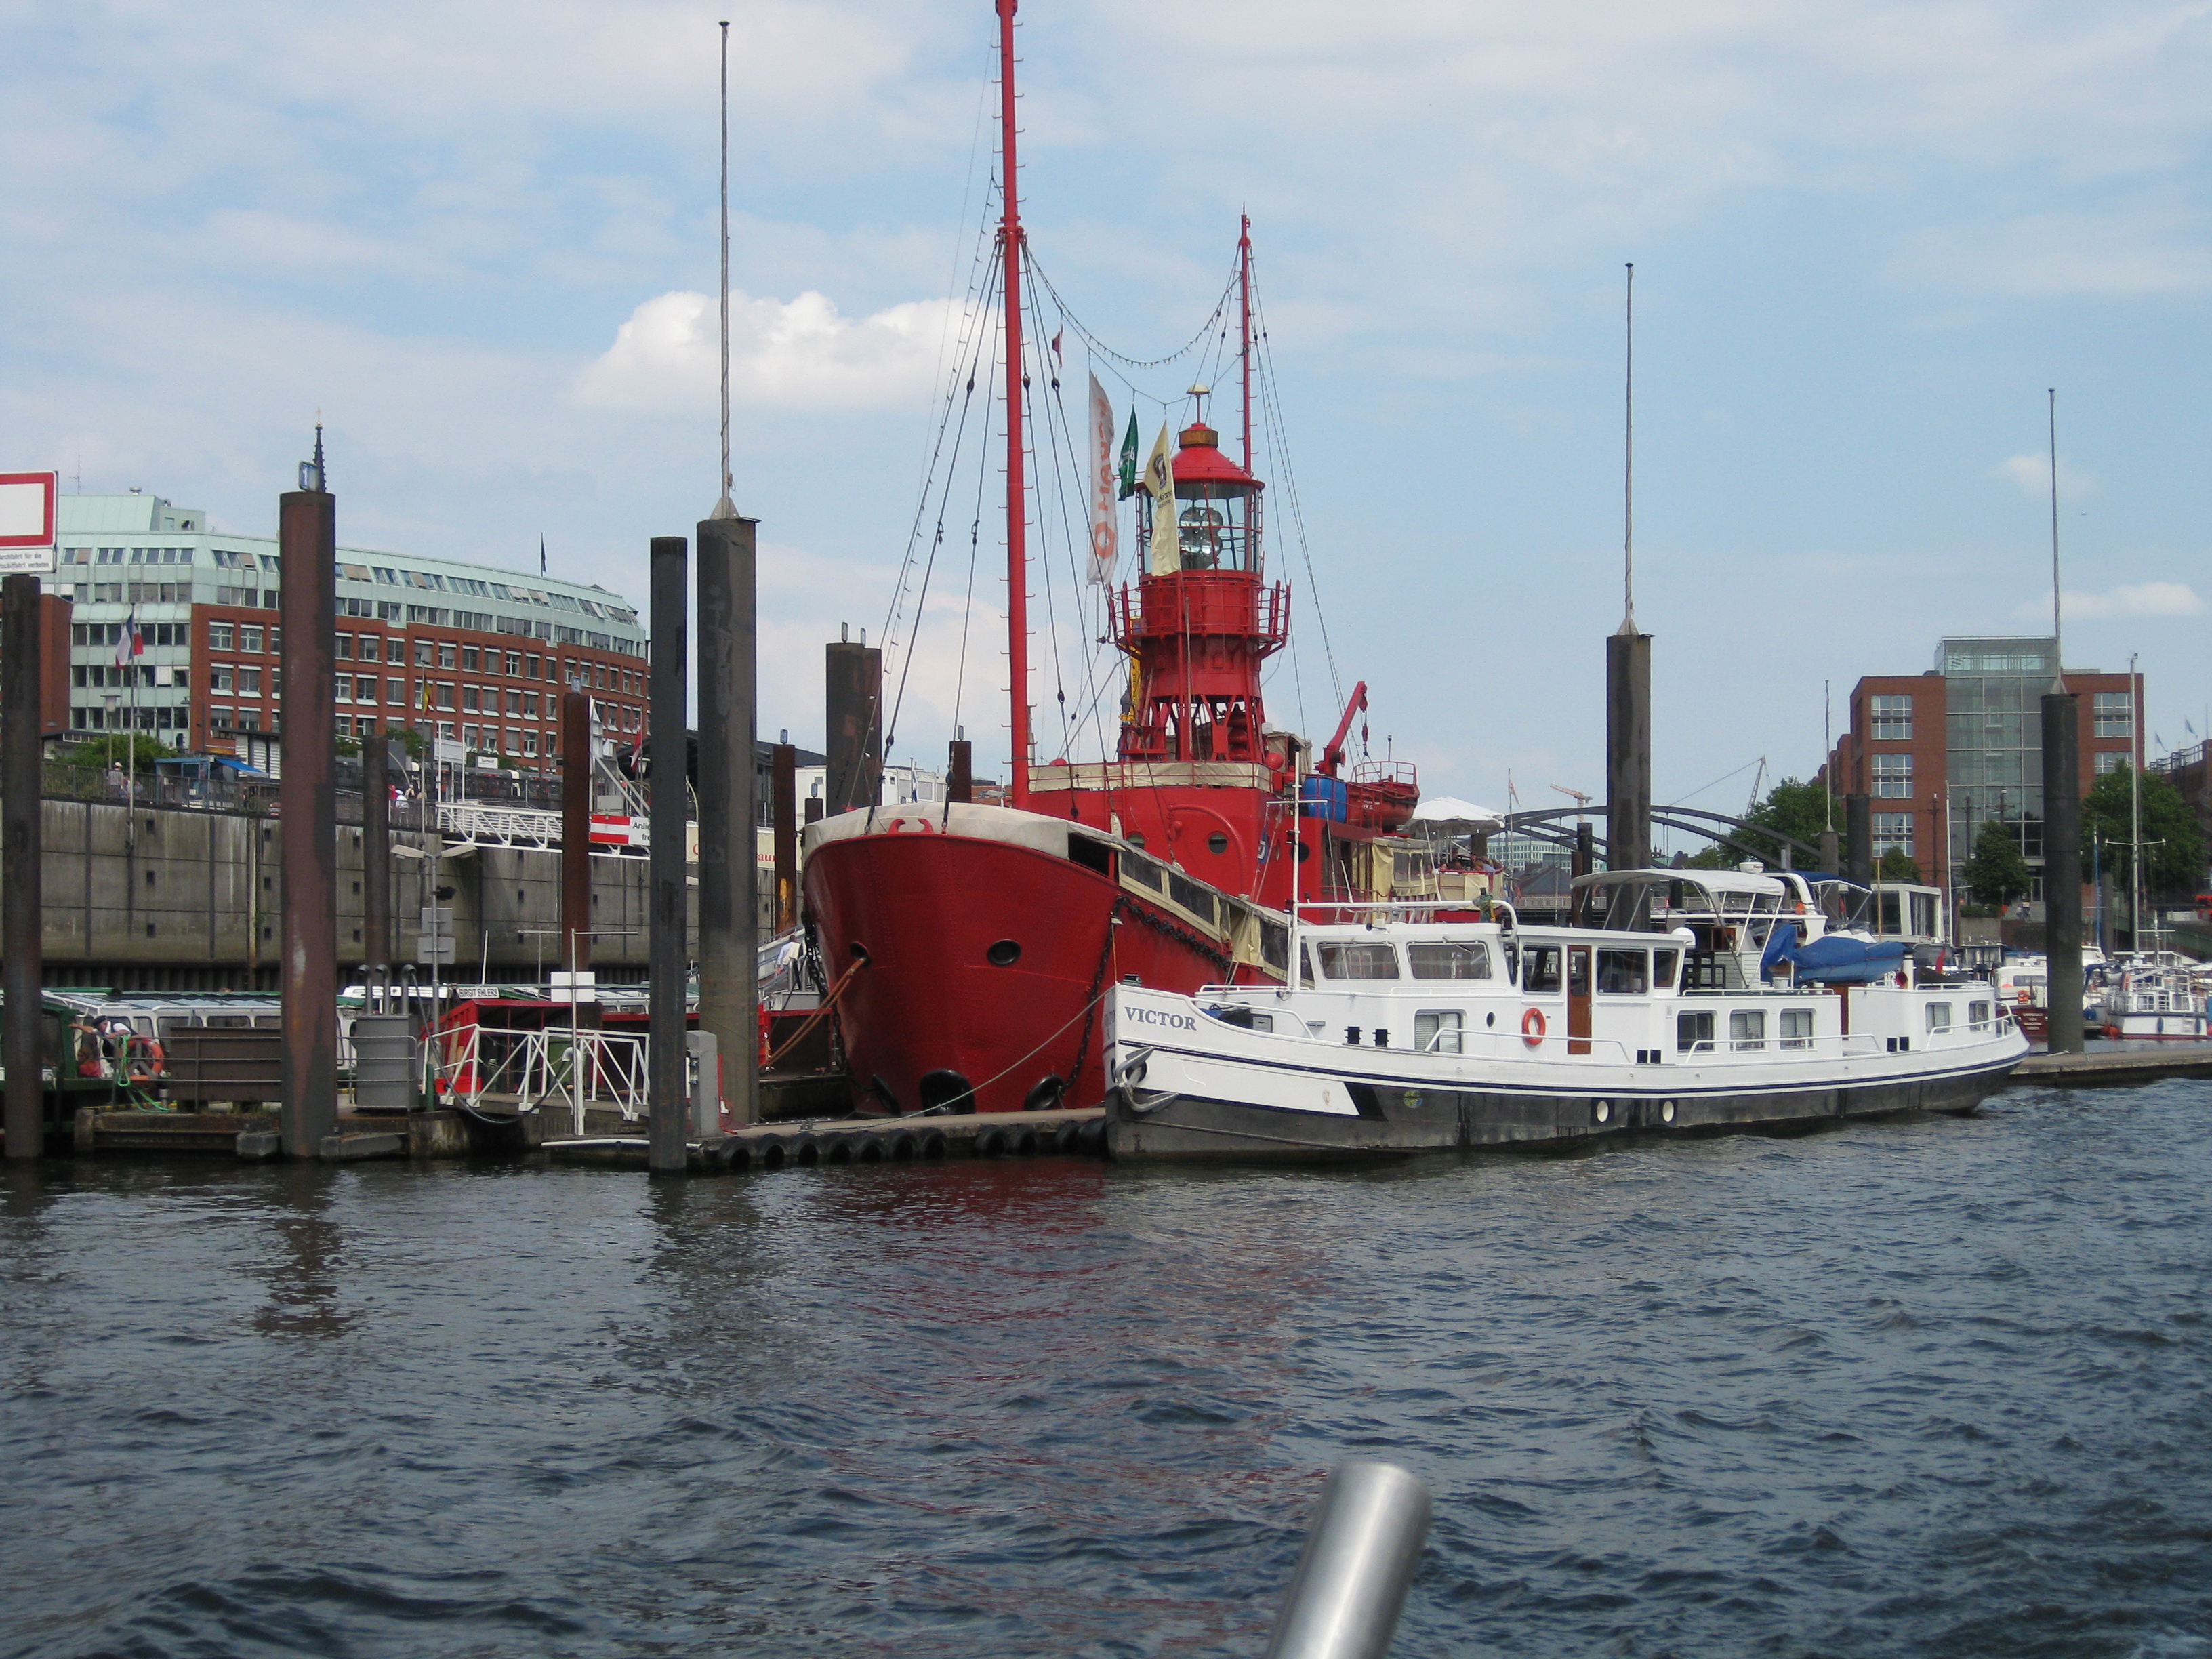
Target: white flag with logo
{"type": "Point", "coordinates": [1166, 552]}
{"type": "Point", "coordinates": [1105, 519]}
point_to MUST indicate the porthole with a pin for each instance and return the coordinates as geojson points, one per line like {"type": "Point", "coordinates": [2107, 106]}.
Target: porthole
{"type": "Point", "coordinates": [1667, 1111]}
{"type": "Point", "coordinates": [1136, 840]}
{"type": "Point", "coordinates": [1304, 852]}
{"type": "Point", "coordinates": [1216, 844]}
{"type": "Point", "coordinates": [1603, 1111]}
{"type": "Point", "coordinates": [1005, 954]}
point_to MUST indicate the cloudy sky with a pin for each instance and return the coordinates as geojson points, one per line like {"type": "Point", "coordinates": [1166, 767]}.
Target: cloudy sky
{"type": "Point", "coordinates": [480, 239]}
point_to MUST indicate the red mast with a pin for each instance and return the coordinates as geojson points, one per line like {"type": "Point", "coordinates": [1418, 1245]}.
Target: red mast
{"type": "Point", "coordinates": [1017, 597]}
{"type": "Point", "coordinates": [1244, 325]}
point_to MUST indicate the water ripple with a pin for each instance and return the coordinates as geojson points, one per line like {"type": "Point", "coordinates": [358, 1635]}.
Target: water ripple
{"type": "Point", "coordinates": [1913, 1387]}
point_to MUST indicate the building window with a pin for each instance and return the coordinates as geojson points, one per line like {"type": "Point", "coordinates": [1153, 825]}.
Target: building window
{"type": "Point", "coordinates": [2116, 715]}
{"type": "Point", "coordinates": [1892, 719]}
{"type": "Point", "coordinates": [219, 677]}
{"type": "Point", "coordinates": [1892, 830]}
{"type": "Point", "coordinates": [345, 647]}
{"type": "Point", "coordinates": [370, 648]}
{"type": "Point", "coordinates": [448, 656]}
{"type": "Point", "coordinates": [1892, 776]}
{"type": "Point", "coordinates": [219, 636]}
{"type": "Point", "coordinates": [341, 689]}
{"type": "Point", "coordinates": [530, 705]}
{"type": "Point", "coordinates": [515, 662]}
{"type": "Point", "coordinates": [529, 743]}
{"type": "Point", "coordinates": [424, 649]}
{"type": "Point", "coordinates": [2110, 760]}
{"type": "Point", "coordinates": [249, 639]}
{"type": "Point", "coordinates": [395, 692]}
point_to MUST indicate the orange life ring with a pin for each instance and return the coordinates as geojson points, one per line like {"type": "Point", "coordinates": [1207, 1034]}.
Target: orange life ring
{"type": "Point", "coordinates": [1532, 1028]}
{"type": "Point", "coordinates": [2024, 995]}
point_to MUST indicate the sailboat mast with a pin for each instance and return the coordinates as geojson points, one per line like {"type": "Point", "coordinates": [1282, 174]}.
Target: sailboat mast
{"type": "Point", "coordinates": [1244, 325]}
{"type": "Point", "coordinates": [1009, 233]}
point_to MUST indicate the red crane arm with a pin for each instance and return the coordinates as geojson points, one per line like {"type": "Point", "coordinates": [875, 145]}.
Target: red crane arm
{"type": "Point", "coordinates": [1333, 756]}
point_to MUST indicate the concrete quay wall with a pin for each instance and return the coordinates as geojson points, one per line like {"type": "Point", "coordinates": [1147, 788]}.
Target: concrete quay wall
{"type": "Point", "coordinates": [161, 898]}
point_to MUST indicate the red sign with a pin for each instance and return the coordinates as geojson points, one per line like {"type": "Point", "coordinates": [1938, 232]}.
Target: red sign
{"type": "Point", "coordinates": [26, 520]}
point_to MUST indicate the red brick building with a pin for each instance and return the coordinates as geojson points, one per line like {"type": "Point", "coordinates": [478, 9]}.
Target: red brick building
{"type": "Point", "coordinates": [1943, 752]}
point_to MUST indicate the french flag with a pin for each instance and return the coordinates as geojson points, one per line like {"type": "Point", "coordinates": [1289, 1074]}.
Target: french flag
{"type": "Point", "coordinates": [129, 644]}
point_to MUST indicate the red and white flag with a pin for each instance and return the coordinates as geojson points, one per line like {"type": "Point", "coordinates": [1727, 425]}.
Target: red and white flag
{"type": "Point", "coordinates": [1105, 521]}
{"type": "Point", "coordinates": [129, 644]}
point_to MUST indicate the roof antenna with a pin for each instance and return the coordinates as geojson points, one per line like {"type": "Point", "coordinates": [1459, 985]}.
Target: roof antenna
{"type": "Point", "coordinates": [725, 509]}
{"type": "Point", "coordinates": [311, 473]}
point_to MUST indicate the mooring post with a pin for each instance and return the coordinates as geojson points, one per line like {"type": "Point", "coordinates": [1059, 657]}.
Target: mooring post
{"type": "Point", "coordinates": [375, 859]}
{"type": "Point", "coordinates": [307, 533]}
{"type": "Point", "coordinates": [1828, 854]}
{"type": "Point", "coordinates": [576, 941]}
{"type": "Point", "coordinates": [1585, 857]}
{"type": "Point", "coordinates": [960, 773]}
{"type": "Point", "coordinates": [729, 841]}
{"type": "Point", "coordinates": [2061, 867]}
{"type": "Point", "coordinates": [1628, 750]}
{"type": "Point", "coordinates": [1858, 839]}
{"type": "Point", "coordinates": [23, 854]}
{"type": "Point", "coordinates": [852, 704]}
{"type": "Point", "coordinates": [783, 790]}
{"type": "Point", "coordinates": [667, 942]}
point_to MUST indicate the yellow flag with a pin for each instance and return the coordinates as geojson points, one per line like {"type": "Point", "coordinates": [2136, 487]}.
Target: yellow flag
{"type": "Point", "coordinates": [1165, 556]}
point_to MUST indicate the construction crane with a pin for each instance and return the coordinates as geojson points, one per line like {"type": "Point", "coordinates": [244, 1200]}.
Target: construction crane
{"type": "Point", "coordinates": [1582, 800]}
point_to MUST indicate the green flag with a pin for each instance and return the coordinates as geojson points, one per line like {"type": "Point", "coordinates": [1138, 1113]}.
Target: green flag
{"type": "Point", "coordinates": [1129, 457]}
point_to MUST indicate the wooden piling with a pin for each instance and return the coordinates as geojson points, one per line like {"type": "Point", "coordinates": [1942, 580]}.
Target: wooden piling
{"type": "Point", "coordinates": [668, 1109]}
{"type": "Point", "coordinates": [729, 902]}
{"type": "Point", "coordinates": [23, 854]}
{"type": "Point", "coordinates": [308, 534]}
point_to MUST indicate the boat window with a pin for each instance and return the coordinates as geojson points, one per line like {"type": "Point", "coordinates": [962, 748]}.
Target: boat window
{"type": "Point", "coordinates": [1888, 923]}
{"type": "Point", "coordinates": [1275, 946]}
{"type": "Point", "coordinates": [1578, 972]}
{"type": "Point", "coordinates": [1747, 1028]}
{"type": "Point", "coordinates": [1796, 1028]}
{"type": "Point", "coordinates": [1090, 854]}
{"type": "Point", "coordinates": [1342, 960]}
{"type": "Point", "coordinates": [1623, 973]}
{"type": "Point", "coordinates": [1924, 914]}
{"type": "Point", "coordinates": [1939, 1016]}
{"type": "Point", "coordinates": [1190, 895]}
{"type": "Point", "coordinates": [1438, 1031]}
{"type": "Point", "coordinates": [1305, 967]}
{"type": "Point", "coordinates": [1540, 970]}
{"type": "Point", "coordinates": [1693, 1032]}
{"type": "Point", "coordinates": [1663, 970]}
{"type": "Point", "coordinates": [1142, 870]}
{"type": "Point", "coordinates": [1449, 959]}
{"type": "Point", "coordinates": [1977, 1014]}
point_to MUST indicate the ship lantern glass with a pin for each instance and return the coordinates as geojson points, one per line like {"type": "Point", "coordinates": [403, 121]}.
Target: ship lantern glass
{"type": "Point", "coordinates": [1217, 507]}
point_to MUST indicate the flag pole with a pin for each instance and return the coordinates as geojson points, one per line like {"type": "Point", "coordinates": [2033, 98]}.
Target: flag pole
{"type": "Point", "coordinates": [724, 508]}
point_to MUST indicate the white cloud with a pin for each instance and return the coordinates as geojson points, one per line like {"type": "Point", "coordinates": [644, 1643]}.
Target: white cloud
{"type": "Point", "coordinates": [2129, 599]}
{"type": "Point", "coordinates": [2123, 253]}
{"type": "Point", "coordinates": [2032, 474]}
{"type": "Point", "coordinates": [799, 354]}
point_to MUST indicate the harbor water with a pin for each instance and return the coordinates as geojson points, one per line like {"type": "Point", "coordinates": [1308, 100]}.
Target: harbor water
{"type": "Point", "coordinates": [1941, 1386]}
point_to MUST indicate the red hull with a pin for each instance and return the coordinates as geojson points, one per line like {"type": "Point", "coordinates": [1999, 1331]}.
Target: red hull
{"type": "Point", "coordinates": [932, 1019]}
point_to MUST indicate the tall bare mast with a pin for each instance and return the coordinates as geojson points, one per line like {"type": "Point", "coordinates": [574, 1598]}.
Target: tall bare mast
{"type": "Point", "coordinates": [724, 508]}
{"type": "Point", "coordinates": [1244, 325]}
{"type": "Point", "coordinates": [1018, 598]}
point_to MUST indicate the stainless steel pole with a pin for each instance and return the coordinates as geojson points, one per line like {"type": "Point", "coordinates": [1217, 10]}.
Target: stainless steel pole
{"type": "Point", "coordinates": [1345, 1599]}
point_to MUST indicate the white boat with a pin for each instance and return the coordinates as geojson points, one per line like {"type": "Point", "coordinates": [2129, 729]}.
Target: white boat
{"type": "Point", "coordinates": [1710, 1000]}
{"type": "Point", "coordinates": [2154, 996]}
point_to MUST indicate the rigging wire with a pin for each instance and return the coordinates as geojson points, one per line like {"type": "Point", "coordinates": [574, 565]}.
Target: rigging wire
{"type": "Point", "coordinates": [1279, 445]}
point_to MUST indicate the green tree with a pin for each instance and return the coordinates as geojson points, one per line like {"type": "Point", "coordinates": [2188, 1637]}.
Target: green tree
{"type": "Point", "coordinates": [2173, 865]}
{"type": "Point", "coordinates": [1793, 807]}
{"type": "Point", "coordinates": [1898, 865]}
{"type": "Point", "coordinates": [115, 750]}
{"type": "Point", "coordinates": [1996, 872]}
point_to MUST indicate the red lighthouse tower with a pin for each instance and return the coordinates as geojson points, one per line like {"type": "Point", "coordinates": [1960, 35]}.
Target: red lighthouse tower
{"type": "Point", "coordinates": [1202, 619]}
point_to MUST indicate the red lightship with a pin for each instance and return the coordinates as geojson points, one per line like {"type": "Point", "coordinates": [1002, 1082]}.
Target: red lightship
{"type": "Point", "coordinates": [970, 944]}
